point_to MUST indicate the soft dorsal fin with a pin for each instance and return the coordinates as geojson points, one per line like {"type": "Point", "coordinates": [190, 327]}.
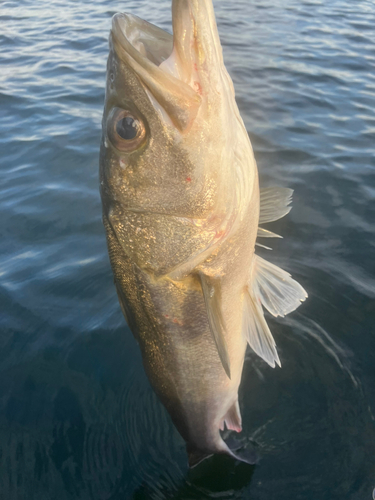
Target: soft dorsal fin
{"type": "Point", "coordinates": [276, 289]}
{"type": "Point", "coordinates": [278, 292]}
{"type": "Point", "coordinates": [274, 203]}
{"type": "Point", "coordinates": [212, 299]}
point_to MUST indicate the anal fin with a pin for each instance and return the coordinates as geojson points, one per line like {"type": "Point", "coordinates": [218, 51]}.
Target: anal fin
{"type": "Point", "coordinates": [212, 299]}
{"type": "Point", "coordinates": [256, 330]}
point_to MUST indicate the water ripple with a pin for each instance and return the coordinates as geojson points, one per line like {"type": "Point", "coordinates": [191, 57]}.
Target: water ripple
{"type": "Point", "coordinates": [78, 418]}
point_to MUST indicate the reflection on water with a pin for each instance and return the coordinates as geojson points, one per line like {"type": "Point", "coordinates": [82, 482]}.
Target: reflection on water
{"type": "Point", "coordinates": [78, 418]}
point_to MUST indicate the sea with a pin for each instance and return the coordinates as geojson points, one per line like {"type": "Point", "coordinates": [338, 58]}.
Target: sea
{"type": "Point", "coordinates": [78, 417]}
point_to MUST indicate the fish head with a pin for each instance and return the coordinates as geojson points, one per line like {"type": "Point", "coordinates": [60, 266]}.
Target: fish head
{"type": "Point", "coordinates": [170, 124]}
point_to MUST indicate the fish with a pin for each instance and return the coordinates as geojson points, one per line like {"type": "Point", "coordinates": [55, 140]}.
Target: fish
{"type": "Point", "coordinates": [182, 211]}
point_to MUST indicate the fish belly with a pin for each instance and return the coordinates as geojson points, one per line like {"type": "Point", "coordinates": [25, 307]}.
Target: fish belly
{"type": "Point", "coordinates": [169, 320]}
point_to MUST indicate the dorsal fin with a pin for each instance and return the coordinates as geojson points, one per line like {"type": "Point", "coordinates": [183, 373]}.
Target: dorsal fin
{"type": "Point", "coordinates": [269, 285]}
{"type": "Point", "coordinates": [278, 292]}
{"type": "Point", "coordinates": [274, 203]}
{"type": "Point", "coordinates": [264, 233]}
{"type": "Point", "coordinates": [212, 299]}
{"type": "Point", "coordinates": [276, 289]}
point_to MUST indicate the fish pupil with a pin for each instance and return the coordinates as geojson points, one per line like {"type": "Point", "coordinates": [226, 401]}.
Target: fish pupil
{"type": "Point", "coordinates": [127, 128]}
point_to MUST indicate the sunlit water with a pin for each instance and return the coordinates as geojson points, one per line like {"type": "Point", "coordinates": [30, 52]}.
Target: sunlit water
{"type": "Point", "coordinates": [78, 418]}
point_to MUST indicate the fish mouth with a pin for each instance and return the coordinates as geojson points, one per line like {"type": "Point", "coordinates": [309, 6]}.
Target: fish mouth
{"type": "Point", "coordinates": [178, 69]}
{"type": "Point", "coordinates": [144, 47]}
{"type": "Point", "coordinates": [142, 40]}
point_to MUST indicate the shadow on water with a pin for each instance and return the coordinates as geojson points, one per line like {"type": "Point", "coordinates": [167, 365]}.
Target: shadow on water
{"type": "Point", "coordinates": [87, 424]}
{"type": "Point", "coordinates": [218, 477]}
{"type": "Point", "coordinates": [84, 421]}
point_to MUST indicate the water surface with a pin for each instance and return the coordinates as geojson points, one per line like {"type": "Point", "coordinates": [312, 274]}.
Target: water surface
{"type": "Point", "coordinates": [78, 419]}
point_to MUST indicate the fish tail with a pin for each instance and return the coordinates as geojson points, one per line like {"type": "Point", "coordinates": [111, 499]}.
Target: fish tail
{"type": "Point", "coordinates": [246, 454]}
{"type": "Point", "coordinates": [242, 451]}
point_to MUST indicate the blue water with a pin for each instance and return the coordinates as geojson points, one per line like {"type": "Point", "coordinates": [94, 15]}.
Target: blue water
{"type": "Point", "coordinates": [78, 419]}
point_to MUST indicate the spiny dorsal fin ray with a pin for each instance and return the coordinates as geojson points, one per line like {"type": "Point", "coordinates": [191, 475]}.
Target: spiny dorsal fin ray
{"type": "Point", "coordinates": [264, 233]}
{"type": "Point", "coordinates": [274, 203]}
{"type": "Point", "coordinates": [263, 246]}
{"type": "Point", "coordinates": [212, 299]}
{"type": "Point", "coordinates": [256, 330]}
{"type": "Point", "coordinates": [279, 293]}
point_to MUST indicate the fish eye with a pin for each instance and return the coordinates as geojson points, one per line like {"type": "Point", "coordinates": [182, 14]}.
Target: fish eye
{"type": "Point", "coordinates": [125, 130]}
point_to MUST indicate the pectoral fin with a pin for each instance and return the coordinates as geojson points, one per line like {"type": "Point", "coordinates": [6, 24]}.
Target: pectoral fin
{"type": "Point", "coordinates": [211, 294]}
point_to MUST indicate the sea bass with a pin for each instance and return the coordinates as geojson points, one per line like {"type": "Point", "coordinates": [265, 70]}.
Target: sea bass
{"type": "Point", "coordinates": [181, 209]}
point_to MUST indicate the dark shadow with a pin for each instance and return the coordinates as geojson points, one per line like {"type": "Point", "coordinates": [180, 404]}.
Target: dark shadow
{"type": "Point", "coordinates": [216, 477]}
